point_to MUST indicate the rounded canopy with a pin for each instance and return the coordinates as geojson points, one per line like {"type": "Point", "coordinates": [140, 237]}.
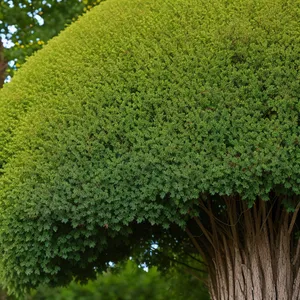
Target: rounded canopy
{"type": "Point", "coordinates": [134, 112]}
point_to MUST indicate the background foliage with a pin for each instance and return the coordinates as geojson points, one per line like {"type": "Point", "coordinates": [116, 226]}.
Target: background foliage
{"type": "Point", "coordinates": [130, 283]}
{"type": "Point", "coordinates": [28, 25]}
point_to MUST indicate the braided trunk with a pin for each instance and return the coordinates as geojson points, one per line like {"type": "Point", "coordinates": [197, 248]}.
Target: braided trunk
{"type": "Point", "coordinates": [252, 253]}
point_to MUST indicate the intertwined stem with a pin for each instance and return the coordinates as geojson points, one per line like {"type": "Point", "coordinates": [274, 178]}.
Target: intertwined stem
{"type": "Point", "coordinates": [251, 253]}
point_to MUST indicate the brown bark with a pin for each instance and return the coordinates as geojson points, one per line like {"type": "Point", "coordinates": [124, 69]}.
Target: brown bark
{"type": "Point", "coordinates": [251, 253]}
{"type": "Point", "coordinates": [3, 65]}
{"type": "Point", "coordinates": [3, 294]}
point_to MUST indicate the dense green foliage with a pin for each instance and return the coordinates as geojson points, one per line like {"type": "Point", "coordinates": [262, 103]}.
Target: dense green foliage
{"type": "Point", "coordinates": [131, 114]}
{"type": "Point", "coordinates": [130, 283]}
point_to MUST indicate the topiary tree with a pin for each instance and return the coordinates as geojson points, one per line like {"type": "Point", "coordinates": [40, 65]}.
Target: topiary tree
{"type": "Point", "coordinates": [147, 115]}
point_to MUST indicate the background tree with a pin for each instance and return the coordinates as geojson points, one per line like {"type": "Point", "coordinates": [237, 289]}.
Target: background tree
{"type": "Point", "coordinates": [3, 65]}
{"type": "Point", "coordinates": [130, 283]}
{"type": "Point", "coordinates": [180, 116]}
{"type": "Point", "coordinates": [30, 24]}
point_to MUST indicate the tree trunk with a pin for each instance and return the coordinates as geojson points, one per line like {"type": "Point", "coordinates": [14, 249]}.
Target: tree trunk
{"type": "Point", "coordinates": [3, 295]}
{"type": "Point", "coordinates": [3, 65]}
{"type": "Point", "coordinates": [251, 253]}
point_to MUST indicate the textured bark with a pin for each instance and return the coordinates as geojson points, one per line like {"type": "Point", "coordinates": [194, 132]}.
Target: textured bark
{"type": "Point", "coordinates": [3, 294]}
{"type": "Point", "coordinates": [251, 253]}
{"type": "Point", "coordinates": [3, 65]}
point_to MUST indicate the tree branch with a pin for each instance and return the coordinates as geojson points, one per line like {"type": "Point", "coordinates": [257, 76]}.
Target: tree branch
{"type": "Point", "coordinates": [177, 261]}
